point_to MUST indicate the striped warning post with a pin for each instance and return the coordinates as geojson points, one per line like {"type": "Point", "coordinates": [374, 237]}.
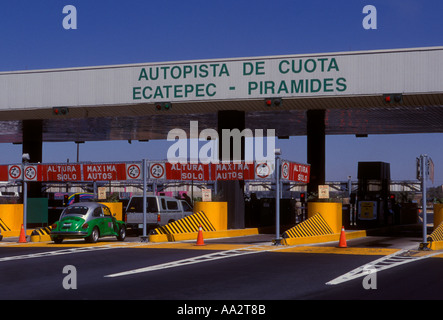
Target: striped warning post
{"type": "Point", "coordinates": [314, 226]}
{"type": "Point", "coordinates": [187, 224]}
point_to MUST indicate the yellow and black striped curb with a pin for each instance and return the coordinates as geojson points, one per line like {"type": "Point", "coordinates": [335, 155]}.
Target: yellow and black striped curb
{"type": "Point", "coordinates": [187, 224]}
{"type": "Point", "coordinates": [44, 231]}
{"type": "Point", "coordinates": [314, 226]}
{"type": "Point", "coordinates": [41, 234]}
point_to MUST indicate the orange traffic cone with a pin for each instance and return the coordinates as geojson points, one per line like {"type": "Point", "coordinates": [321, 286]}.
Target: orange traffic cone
{"type": "Point", "coordinates": [342, 243]}
{"type": "Point", "coordinates": [200, 241]}
{"type": "Point", "coordinates": [22, 238]}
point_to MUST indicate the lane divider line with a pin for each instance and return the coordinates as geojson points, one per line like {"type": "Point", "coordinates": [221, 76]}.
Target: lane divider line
{"type": "Point", "coordinates": [61, 252]}
{"type": "Point", "coordinates": [390, 261]}
{"type": "Point", "coordinates": [200, 259]}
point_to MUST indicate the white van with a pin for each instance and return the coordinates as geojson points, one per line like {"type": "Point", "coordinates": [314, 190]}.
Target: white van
{"type": "Point", "coordinates": [160, 210]}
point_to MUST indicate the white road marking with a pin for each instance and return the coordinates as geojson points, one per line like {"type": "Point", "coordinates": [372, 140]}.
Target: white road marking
{"type": "Point", "coordinates": [61, 252]}
{"type": "Point", "coordinates": [200, 259]}
{"type": "Point", "coordinates": [390, 261]}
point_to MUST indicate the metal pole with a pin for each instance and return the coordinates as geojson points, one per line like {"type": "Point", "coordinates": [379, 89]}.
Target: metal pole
{"type": "Point", "coordinates": [25, 160]}
{"type": "Point", "coordinates": [25, 204]}
{"type": "Point", "coordinates": [144, 198]}
{"type": "Point", "coordinates": [424, 175]}
{"type": "Point", "coordinates": [277, 201]}
{"type": "Point", "coordinates": [349, 186]}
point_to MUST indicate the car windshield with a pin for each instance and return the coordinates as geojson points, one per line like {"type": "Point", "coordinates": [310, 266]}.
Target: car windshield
{"type": "Point", "coordinates": [75, 211]}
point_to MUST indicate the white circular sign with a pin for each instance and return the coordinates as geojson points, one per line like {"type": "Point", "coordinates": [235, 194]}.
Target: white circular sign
{"type": "Point", "coordinates": [262, 170]}
{"type": "Point", "coordinates": [157, 171]}
{"type": "Point", "coordinates": [15, 172]}
{"type": "Point", "coordinates": [30, 173]}
{"type": "Point", "coordinates": [285, 170]}
{"type": "Point", "coordinates": [133, 171]}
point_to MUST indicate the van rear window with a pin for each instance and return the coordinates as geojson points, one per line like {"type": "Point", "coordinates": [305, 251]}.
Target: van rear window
{"type": "Point", "coordinates": [136, 205]}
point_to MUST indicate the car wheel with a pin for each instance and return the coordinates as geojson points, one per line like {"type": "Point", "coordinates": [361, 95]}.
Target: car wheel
{"type": "Point", "coordinates": [58, 240]}
{"type": "Point", "coordinates": [121, 233]}
{"type": "Point", "coordinates": [93, 237]}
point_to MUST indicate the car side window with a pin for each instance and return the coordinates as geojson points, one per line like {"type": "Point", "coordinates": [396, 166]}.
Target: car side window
{"type": "Point", "coordinates": [186, 206]}
{"type": "Point", "coordinates": [107, 212]}
{"type": "Point", "coordinates": [163, 204]}
{"type": "Point", "coordinates": [151, 204]}
{"type": "Point", "coordinates": [97, 212]}
{"type": "Point", "coordinates": [172, 205]}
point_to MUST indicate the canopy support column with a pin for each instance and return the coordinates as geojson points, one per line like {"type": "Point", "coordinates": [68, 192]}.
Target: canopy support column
{"type": "Point", "coordinates": [316, 153]}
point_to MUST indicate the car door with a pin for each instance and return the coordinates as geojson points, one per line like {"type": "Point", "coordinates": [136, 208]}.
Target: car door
{"type": "Point", "coordinates": [108, 224]}
{"type": "Point", "coordinates": [97, 219]}
{"type": "Point", "coordinates": [152, 210]}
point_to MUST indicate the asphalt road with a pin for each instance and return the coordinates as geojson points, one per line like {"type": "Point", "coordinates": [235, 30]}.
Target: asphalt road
{"type": "Point", "coordinates": [36, 273]}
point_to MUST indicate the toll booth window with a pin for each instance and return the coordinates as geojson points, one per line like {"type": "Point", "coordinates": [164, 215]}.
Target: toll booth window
{"type": "Point", "coordinates": [172, 205]}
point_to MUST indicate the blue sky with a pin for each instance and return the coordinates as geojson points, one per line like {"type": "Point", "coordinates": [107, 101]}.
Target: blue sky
{"type": "Point", "coordinates": [137, 31]}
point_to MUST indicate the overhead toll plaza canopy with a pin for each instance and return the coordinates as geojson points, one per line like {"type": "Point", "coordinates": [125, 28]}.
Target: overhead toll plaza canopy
{"type": "Point", "coordinates": [368, 92]}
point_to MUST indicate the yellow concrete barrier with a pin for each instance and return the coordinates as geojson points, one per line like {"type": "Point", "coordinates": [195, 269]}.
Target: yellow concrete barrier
{"type": "Point", "coordinates": [115, 207]}
{"type": "Point", "coordinates": [330, 211]}
{"type": "Point", "coordinates": [11, 219]}
{"type": "Point", "coordinates": [41, 234]}
{"type": "Point", "coordinates": [324, 224]}
{"type": "Point", "coordinates": [435, 239]}
{"type": "Point", "coordinates": [206, 235]}
{"type": "Point", "coordinates": [212, 216]}
{"type": "Point", "coordinates": [217, 213]}
{"type": "Point", "coordinates": [187, 224]}
{"type": "Point", "coordinates": [438, 214]}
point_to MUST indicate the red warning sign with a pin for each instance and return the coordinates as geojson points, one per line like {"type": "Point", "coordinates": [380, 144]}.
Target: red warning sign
{"type": "Point", "coordinates": [60, 172]}
{"type": "Point", "coordinates": [232, 171]}
{"type": "Point", "coordinates": [104, 172]}
{"type": "Point", "coordinates": [195, 172]}
{"type": "Point", "coordinates": [297, 172]}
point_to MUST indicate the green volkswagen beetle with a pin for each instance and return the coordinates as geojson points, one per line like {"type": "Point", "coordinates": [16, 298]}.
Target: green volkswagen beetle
{"type": "Point", "coordinates": [88, 220]}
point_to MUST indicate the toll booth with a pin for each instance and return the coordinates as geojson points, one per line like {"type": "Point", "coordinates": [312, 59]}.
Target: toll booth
{"type": "Point", "coordinates": [372, 206]}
